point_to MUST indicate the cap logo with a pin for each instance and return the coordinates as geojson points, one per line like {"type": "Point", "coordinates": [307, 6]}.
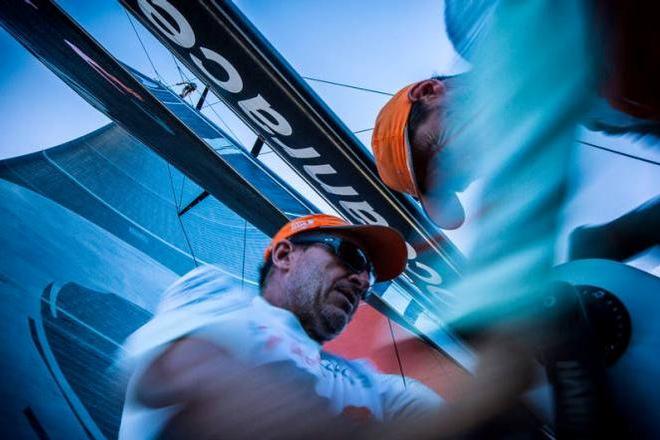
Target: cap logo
{"type": "Point", "coordinates": [301, 225]}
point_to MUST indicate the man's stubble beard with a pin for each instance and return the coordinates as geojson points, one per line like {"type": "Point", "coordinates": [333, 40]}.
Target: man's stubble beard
{"type": "Point", "coordinates": [310, 307]}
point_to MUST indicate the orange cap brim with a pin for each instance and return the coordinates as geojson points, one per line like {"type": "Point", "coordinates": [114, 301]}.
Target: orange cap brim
{"type": "Point", "coordinates": [383, 245]}
{"type": "Point", "coordinates": [390, 146]}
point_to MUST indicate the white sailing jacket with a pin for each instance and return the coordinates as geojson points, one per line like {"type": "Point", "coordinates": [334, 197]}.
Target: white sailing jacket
{"type": "Point", "coordinates": [207, 303]}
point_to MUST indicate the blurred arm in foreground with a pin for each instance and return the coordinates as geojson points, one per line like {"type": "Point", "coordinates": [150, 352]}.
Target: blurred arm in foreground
{"type": "Point", "coordinates": [511, 122]}
{"type": "Point", "coordinates": [215, 362]}
{"type": "Point", "coordinates": [219, 397]}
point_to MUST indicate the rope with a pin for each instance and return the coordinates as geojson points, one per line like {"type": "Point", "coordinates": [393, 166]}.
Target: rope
{"type": "Point", "coordinates": [207, 105]}
{"type": "Point", "coordinates": [348, 86]}
{"type": "Point", "coordinates": [244, 247]}
{"type": "Point", "coordinates": [211, 104]}
{"type": "Point", "coordinates": [176, 207]}
{"type": "Point", "coordinates": [224, 123]}
{"type": "Point", "coordinates": [180, 203]}
{"type": "Point", "coordinates": [153, 66]}
{"type": "Point", "coordinates": [169, 170]}
{"type": "Point", "coordinates": [183, 181]}
{"type": "Point", "coordinates": [183, 80]}
{"type": "Point", "coordinates": [621, 153]}
{"type": "Point", "coordinates": [396, 351]}
{"type": "Point", "coordinates": [176, 63]}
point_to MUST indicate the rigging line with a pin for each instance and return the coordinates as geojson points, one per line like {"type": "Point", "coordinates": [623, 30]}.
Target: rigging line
{"type": "Point", "coordinates": [362, 131]}
{"type": "Point", "coordinates": [183, 79]}
{"type": "Point", "coordinates": [631, 156]}
{"type": "Point", "coordinates": [183, 182]}
{"type": "Point", "coordinates": [153, 66]}
{"type": "Point", "coordinates": [225, 124]}
{"type": "Point", "coordinates": [364, 89]}
{"type": "Point", "coordinates": [396, 351]}
{"type": "Point", "coordinates": [169, 171]}
{"type": "Point", "coordinates": [220, 118]}
{"type": "Point", "coordinates": [183, 229]}
{"type": "Point", "coordinates": [176, 63]}
{"type": "Point", "coordinates": [211, 106]}
{"type": "Point", "coordinates": [244, 247]}
{"type": "Point", "coordinates": [188, 97]}
{"type": "Point", "coordinates": [185, 235]}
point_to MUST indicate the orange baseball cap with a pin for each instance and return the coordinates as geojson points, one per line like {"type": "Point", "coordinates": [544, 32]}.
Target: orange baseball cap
{"type": "Point", "coordinates": [383, 245]}
{"type": "Point", "coordinates": [395, 166]}
{"type": "Point", "coordinates": [389, 143]}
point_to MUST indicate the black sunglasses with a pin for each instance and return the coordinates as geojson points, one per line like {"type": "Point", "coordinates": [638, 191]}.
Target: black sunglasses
{"type": "Point", "coordinates": [354, 258]}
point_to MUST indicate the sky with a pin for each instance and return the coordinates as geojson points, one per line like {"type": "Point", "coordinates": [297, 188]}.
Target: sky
{"type": "Point", "coordinates": [377, 44]}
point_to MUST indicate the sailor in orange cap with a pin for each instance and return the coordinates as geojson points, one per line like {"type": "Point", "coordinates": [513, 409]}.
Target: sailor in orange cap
{"type": "Point", "coordinates": [217, 362]}
{"type": "Point", "coordinates": [410, 143]}
{"type": "Point", "coordinates": [354, 257]}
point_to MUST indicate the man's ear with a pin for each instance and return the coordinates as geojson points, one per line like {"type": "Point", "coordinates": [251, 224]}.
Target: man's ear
{"type": "Point", "coordinates": [427, 89]}
{"type": "Point", "coordinates": [281, 254]}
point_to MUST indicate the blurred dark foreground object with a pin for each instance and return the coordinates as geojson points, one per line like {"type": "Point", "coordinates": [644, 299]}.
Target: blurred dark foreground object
{"type": "Point", "coordinates": [620, 239]}
{"type": "Point", "coordinates": [632, 53]}
{"type": "Point", "coordinates": [628, 35]}
{"type": "Point", "coordinates": [562, 337]}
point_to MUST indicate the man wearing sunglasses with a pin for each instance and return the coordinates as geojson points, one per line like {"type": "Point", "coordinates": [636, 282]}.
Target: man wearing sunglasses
{"type": "Point", "coordinates": [334, 265]}
{"type": "Point", "coordinates": [216, 362]}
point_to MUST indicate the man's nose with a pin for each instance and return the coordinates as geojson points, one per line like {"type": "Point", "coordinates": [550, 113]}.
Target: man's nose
{"type": "Point", "coordinates": [360, 280]}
